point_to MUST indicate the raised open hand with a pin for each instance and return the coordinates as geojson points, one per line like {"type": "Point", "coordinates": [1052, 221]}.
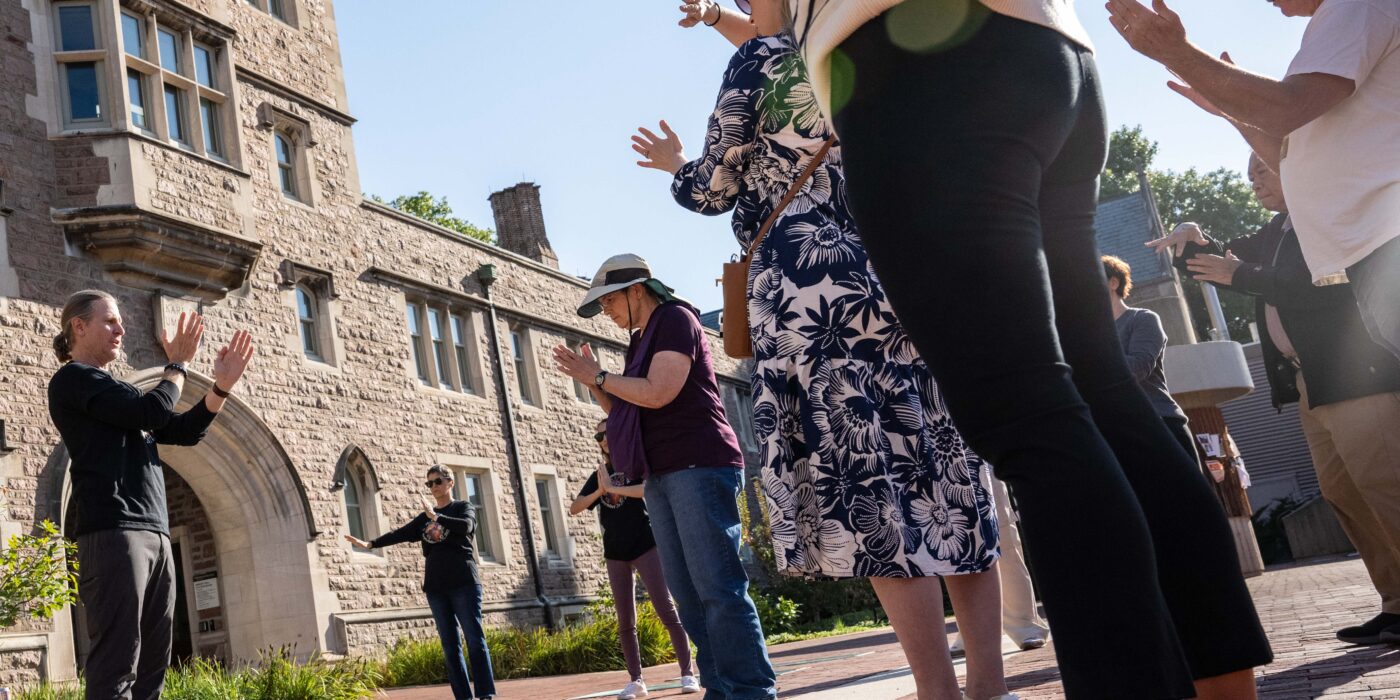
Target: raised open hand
{"type": "Point", "coordinates": [1156, 33]}
{"type": "Point", "coordinates": [188, 331]}
{"type": "Point", "coordinates": [662, 153]}
{"type": "Point", "coordinates": [697, 12]}
{"type": "Point", "coordinates": [232, 360]}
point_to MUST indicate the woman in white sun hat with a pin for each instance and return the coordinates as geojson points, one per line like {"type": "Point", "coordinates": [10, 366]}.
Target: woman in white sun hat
{"type": "Point", "coordinates": [666, 426]}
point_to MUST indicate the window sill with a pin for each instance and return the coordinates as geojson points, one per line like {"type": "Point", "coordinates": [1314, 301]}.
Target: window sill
{"type": "Point", "coordinates": [288, 199]}
{"type": "Point", "coordinates": [555, 562]}
{"type": "Point", "coordinates": [439, 391]}
{"type": "Point", "coordinates": [320, 366]}
{"type": "Point", "coordinates": [373, 556]}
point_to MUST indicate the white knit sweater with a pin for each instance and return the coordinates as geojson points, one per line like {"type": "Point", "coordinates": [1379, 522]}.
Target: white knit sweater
{"type": "Point", "coordinates": [821, 26]}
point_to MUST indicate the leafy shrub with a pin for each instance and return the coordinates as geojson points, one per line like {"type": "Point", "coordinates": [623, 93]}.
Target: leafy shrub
{"type": "Point", "coordinates": [776, 613]}
{"type": "Point", "coordinates": [51, 692]}
{"type": "Point", "coordinates": [276, 677]}
{"type": "Point", "coordinates": [414, 662]}
{"type": "Point", "coordinates": [38, 575]}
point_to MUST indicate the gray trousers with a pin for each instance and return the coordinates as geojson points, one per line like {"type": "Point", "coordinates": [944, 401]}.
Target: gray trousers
{"type": "Point", "coordinates": [126, 582]}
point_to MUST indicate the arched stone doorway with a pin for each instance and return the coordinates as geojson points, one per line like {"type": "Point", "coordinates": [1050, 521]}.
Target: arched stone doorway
{"type": "Point", "coordinates": [272, 588]}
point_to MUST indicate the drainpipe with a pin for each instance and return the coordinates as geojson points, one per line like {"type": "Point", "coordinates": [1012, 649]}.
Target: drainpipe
{"type": "Point", "coordinates": [486, 275]}
{"type": "Point", "coordinates": [1217, 313]}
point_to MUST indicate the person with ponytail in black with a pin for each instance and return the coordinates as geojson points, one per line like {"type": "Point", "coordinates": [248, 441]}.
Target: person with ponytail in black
{"type": "Point", "coordinates": [110, 429]}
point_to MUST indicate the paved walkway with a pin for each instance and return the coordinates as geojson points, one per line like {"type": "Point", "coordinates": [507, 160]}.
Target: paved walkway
{"type": "Point", "coordinates": [1300, 605]}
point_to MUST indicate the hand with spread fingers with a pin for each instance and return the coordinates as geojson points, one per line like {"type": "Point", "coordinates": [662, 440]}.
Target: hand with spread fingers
{"type": "Point", "coordinates": [232, 360]}
{"type": "Point", "coordinates": [1176, 240]}
{"type": "Point", "coordinates": [699, 12]}
{"type": "Point", "coordinates": [1156, 33]}
{"type": "Point", "coordinates": [189, 330]}
{"type": "Point", "coordinates": [663, 153]}
{"type": "Point", "coordinates": [1213, 268]}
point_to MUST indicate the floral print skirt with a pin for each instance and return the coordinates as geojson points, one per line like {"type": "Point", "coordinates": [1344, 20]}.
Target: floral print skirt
{"type": "Point", "coordinates": [865, 475]}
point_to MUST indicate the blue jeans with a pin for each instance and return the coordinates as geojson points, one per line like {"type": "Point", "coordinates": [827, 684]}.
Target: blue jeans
{"type": "Point", "coordinates": [695, 519]}
{"type": "Point", "coordinates": [1376, 283]}
{"type": "Point", "coordinates": [463, 606]}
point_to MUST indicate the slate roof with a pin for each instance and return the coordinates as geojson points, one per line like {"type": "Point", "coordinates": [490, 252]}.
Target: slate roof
{"type": "Point", "coordinates": [1122, 226]}
{"type": "Point", "coordinates": [710, 319]}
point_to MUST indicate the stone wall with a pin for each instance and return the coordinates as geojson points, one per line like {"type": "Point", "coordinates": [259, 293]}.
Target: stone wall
{"type": "Point", "coordinates": [368, 395]}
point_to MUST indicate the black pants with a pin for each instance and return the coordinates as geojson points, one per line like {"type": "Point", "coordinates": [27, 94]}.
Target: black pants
{"type": "Point", "coordinates": [972, 172]}
{"type": "Point", "coordinates": [127, 585]}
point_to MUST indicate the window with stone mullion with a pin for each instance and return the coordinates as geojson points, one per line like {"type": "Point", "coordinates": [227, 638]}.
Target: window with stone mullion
{"type": "Point", "coordinates": [437, 330]}
{"type": "Point", "coordinates": [415, 334]}
{"type": "Point", "coordinates": [80, 55]}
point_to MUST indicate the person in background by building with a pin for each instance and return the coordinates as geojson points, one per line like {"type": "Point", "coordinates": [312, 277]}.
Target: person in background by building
{"type": "Point", "coordinates": [629, 546]}
{"type": "Point", "coordinates": [972, 143]}
{"type": "Point", "coordinates": [445, 529]}
{"type": "Point", "coordinates": [1144, 344]}
{"type": "Point", "coordinates": [853, 437]}
{"type": "Point", "coordinates": [1020, 620]}
{"type": "Point", "coordinates": [111, 429]}
{"type": "Point", "coordinates": [1317, 352]}
{"type": "Point", "coordinates": [1331, 127]}
{"type": "Point", "coordinates": [666, 425]}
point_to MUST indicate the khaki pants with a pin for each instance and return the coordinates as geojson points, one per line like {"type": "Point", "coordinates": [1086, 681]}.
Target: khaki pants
{"type": "Point", "coordinates": [1019, 618]}
{"type": "Point", "coordinates": [1355, 448]}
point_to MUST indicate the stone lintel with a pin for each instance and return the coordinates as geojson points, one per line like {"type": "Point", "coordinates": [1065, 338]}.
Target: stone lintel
{"type": "Point", "coordinates": [148, 251]}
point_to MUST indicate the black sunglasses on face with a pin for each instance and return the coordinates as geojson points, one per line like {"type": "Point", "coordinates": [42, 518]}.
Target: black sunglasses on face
{"type": "Point", "coordinates": [600, 436]}
{"type": "Point", "coordinates": [744, 6]}
{"type": "Point", "coordinates": [435, 482]}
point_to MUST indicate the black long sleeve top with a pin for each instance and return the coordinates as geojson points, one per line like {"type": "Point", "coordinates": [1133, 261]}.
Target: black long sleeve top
{"type": "Point", "coordinates": [449, 551]}
{"type": "Point", "coordinates": [1339, 360]}
{"type": "Point", "coordinates": [111, 430]}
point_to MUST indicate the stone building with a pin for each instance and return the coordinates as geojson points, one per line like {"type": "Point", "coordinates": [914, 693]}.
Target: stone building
{"type": "Point", "coordinates": [198, 155]}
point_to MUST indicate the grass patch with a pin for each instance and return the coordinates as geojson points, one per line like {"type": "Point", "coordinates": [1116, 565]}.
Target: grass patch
{"type": "Point", "coordinates": [277, 677]}
{"type": "Point", "coordinates": [849, 623]}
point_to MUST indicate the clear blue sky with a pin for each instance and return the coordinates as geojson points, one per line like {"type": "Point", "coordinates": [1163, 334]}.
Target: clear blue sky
{"type": "Point", "coordinates": [465, 97]}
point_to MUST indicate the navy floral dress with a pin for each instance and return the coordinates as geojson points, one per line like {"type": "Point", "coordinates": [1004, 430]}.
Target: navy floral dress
{"type": "Point", "coordinates": [863, 471]}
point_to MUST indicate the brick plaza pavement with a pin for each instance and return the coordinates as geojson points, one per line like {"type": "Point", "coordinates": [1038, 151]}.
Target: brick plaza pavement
{"type": "Point", "coordinates": [1301, 606]}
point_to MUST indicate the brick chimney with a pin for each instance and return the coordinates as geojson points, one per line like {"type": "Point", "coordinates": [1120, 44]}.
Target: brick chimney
{"type": "Point", "coordinates": [520, 223]}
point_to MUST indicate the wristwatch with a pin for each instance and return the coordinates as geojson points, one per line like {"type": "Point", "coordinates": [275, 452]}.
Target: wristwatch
{"type": "Point", "coordinates": [178, 367]}
{"type": "Point", "coordinates": [599, 378]}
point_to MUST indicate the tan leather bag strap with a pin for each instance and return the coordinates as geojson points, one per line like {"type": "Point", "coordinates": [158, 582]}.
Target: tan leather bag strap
{"type": "Point", "coordinates": [787, 198]}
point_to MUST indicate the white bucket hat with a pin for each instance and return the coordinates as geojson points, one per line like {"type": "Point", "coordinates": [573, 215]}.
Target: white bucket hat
{"type": "Point", "coordinates": [621, 272]}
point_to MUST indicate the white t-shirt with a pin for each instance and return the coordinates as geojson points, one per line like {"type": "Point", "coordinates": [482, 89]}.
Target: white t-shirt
{"type": "Point", "coordinates": [1341, 171]}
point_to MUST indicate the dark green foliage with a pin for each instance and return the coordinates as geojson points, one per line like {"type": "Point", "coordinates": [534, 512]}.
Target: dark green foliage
{"type": "Point", "coordinates": [423, 206]}
{"type": "Point", "coordinates": [1268, 530]}
{"type": "Point", "coordinates": [1221, 201]}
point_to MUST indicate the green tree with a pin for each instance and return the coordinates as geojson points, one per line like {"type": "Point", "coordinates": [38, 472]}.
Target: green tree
{"type": "Point", "coordinates": [425, 207]}
{"type": "Point", "coordinates": [1221, 201]}
{"type": "Point", "coordinates": [38, 575]}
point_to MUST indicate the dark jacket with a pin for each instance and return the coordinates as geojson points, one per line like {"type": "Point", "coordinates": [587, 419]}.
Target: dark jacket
{"type": "Point", "coordinates": [1339, 360]}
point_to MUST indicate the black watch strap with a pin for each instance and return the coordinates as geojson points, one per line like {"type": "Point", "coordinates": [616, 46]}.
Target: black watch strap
{"type": "Point", "coordinates": [599, 378]}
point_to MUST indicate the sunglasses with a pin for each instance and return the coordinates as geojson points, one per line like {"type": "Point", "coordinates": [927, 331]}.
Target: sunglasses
{"type": "Point", "coordinates": [600, 436]}
{"type": "Point", "coordinates": [744, 6]}
{"type": "Point", "coordinates": [435, 482]}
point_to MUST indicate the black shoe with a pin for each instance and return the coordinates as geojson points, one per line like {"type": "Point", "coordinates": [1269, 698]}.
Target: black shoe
{"type": "Point", "coordinates": [1372, 632]}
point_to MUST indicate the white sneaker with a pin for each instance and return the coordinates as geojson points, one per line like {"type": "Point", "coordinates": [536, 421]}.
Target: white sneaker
{"type": "Point", "coordinates": [690, 684]}
{"type": "Point", "coordinates": [635, 689]}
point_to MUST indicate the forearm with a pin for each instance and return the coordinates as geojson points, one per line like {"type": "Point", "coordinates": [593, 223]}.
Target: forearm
{"type": "Point", "coordinates": [1269, 106]}
{"type": "Point", "coordinates": [604, 401]}
{"type": "Point", "coordinates": [1268, 147]}
{"type": "Point", "coordinates": [734, 26]}
{"type": "Point", "coordinates": [639, 391]}
{"type": "Point", "coordinates": [634, 491]}
{"type": "Point", "coordinates": [584, 502]}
